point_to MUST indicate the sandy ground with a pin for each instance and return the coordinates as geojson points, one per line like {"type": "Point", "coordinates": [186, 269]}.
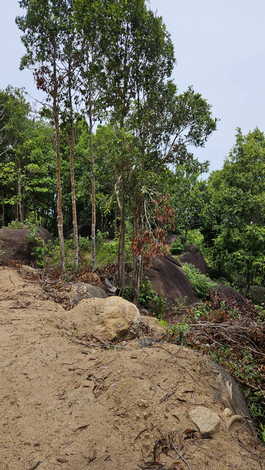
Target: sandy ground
{"type": "Point", "coordinates": [71, 406]}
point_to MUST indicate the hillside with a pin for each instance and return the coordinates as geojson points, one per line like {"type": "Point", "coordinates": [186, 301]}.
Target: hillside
{"type": "Point", "coordinates": [135, 404]}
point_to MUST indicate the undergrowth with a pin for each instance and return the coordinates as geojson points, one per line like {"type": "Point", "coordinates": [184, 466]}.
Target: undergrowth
{"type": "Point", "coordinates": [201, 284]}
{"type": "Point", "coordinates": [233, 335]}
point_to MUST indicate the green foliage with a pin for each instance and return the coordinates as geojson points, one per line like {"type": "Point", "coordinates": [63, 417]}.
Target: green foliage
{"type": "Point", "coordinates": [179, 332]}
{"type": "Point", "coordinates": [200, 311]}
{"type": "Point", "coordinates": [128, 293]}
{"type": "Point", "coordinates": [107, 253]}
{"type": "Point", "coordinates": [150, 300]}
{"type": "Point", "coordinates": [195, 237]}
{"type": "Point", "coordinates": [84, 244]}
{"type": "Point", "coordinates": [234, 214]}
{"type": "Point", "coordinates": [163, 323]}
{"type": "Point", "coordinates": [260, 312]}
{"type": "Point", "coordinates": [200, 282]}
{"type": "Point", "coordinates": [177, 247]}
{"type": "Point", "coordinates": [246, 369]}
{"type": "Point", "coordinates": [15, 224]}
{"type": "Point", "coordinates": [262, 433]}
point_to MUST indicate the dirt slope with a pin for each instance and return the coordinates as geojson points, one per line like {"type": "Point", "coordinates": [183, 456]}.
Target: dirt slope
{"type": "Point", "coordinates": [71, 406]}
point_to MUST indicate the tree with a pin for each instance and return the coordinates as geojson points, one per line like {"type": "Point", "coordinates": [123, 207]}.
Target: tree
{"type": "Point", "coordinates": [70, 59]}
{"type": "Point", "coordinates": [14, 127]}
{"type": "Point", "coordinates": [168, 125]}
{"type": "Point", "coordinates": [234, 216]}
{"type": "Point", "coordinates": [139, 56]}
{"type": "Point", "coordinates": [42, 28]}
{"type": "Point", "coordinates": [91, 22]}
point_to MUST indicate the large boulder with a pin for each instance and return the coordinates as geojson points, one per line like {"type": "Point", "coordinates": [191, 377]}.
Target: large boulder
{"type": "Point", "coordinates": [107, 319]}
{"type": "Point", "coordinates": [169, 281]}
{"type": "Point", "coordinates": [193, 256]}
{"type": "Point", "coordinates": [16, 245]}
{"type": "Point", "coordinates": [257, 295]}
{"type": "Point", "coordinates": [230, 295]}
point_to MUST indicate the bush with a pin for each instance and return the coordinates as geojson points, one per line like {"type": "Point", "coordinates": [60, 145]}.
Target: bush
{"type": "Point", "coordinates": [107, 253]}
{"type": "Point", "coordinates": [150, 300]}
{"type": "Point", "coordinates": [179, 332]}
{"type": "Point", "coordinates": [15, 224]}
{"type": "Point", "coordinates": [200, 283]}
{"type": "Point", "coordinates": [177, 247]}
{"type": "Point", "coordinates": [195, 237]}
{"type": "Point", "coordinates": [84, 244]}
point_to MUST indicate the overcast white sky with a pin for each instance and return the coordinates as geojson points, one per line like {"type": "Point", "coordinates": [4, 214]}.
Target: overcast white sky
{"type": "Point", "coordinates": [220, 50]}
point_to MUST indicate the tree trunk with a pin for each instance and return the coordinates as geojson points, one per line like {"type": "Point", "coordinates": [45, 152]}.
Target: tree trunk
{"type": "Point", "coordinates": [73, 194]}
{"type": "Point", "coordinates": [121, 251]}
{"type": "Point", "coordinates": [19, 191]}
{"type": "Point", "coordinates": [59, 198]}
{"type": "Point", "coordinates": [3, 212]}
{"type": "Point", "coordinates": [138, 260]}
{"type": "Point", "coordinates": [93, 196]}
{"type": "Point", "coordinates": [94, 215]}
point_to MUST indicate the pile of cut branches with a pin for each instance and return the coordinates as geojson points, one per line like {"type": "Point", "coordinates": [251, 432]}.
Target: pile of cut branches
{"type": "Point", "coordinates": [233, 334]}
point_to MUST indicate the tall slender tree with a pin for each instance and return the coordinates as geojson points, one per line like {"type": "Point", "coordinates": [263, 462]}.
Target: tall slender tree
{"type": "Point", "coordinates": [42, 28]}
{"type": "Point", "coordinates": [71, 62]}
{"type": "Point", "coordinates": [90, 21]}
{"type": "Point", "coordinates": [139, 55]}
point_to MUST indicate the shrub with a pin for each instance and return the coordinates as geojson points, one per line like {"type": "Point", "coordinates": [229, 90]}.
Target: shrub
{"type": "Point", "coordinates": [84, 244]}
{"type": "Point", "coordinates": [107, 253]}
{"type": "Point", "coordinates": [200, 283]}
{"type": "Point", "coordinates": [177, 247]}
{"type": "Point", "coordinates": [16, 224]}
{"type": "Point", "coordinates": [150, 300]}
{"type": "Point", "coordinates": [195, 237]}
{"type": "Point", "coordinates": [179, 332]}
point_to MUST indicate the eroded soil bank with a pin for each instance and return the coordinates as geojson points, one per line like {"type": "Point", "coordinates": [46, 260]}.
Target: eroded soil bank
{"type": "Point", "coordinates": [72, 405]}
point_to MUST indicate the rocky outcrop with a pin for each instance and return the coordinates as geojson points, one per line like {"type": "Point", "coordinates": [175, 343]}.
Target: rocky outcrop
{"type": "Point", "coordinates": [169, 281]}
{"type": "Point", "coordinates": [193, 256]}
{"type": "Point", "coordinates": [16, 245]}
{"type": "Point", "coordinates": [228, 294]}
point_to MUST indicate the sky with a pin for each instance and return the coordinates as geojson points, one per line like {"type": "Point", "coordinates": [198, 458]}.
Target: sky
{"type": "Point", "coordinates": [220, 51]}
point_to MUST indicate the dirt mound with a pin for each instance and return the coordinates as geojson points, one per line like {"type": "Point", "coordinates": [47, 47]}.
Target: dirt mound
{"type": "Point", "coordinates": [71, 406]}
{"type": "Point", "coordinates": [17, 244]}
{"type": "Point", "coordinates": [169, 281]}
{"type": "Point", "coordinates": [193, 256]}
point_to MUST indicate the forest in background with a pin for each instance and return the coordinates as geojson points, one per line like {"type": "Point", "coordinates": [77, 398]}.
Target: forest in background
{"type": "Point", "coordinates": [111, 154]}
{"type": "Point", "coordinates": [108, 165]}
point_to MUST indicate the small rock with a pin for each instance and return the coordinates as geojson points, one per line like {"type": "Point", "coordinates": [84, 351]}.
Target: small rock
{"type": "Point", "coordinates": [24, 269]}
{"type": "Point", "coordinates": [228, 412]}
{"type": "Point", "coordinates": [206, 419]}
{"type": "Point", "coordinates": [152, 327]}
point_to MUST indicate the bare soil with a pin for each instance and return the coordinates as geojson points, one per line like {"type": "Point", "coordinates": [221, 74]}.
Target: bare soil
{"type": "Point", "coordinates": [71, 406]}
